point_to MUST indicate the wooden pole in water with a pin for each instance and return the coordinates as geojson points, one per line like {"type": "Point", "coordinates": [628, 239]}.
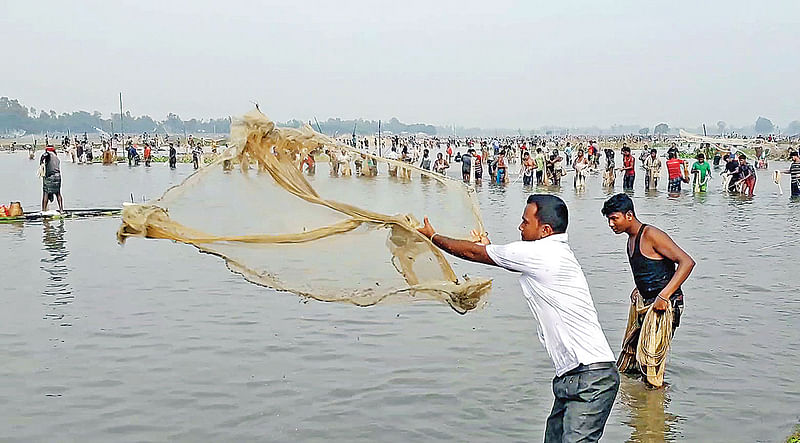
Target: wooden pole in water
{"type": "Point", "coordinates": [121, 121]}
{"type": "Point", "coordinates": [318, 127]}
{"type": "Point", "coordinates": [379, 139]}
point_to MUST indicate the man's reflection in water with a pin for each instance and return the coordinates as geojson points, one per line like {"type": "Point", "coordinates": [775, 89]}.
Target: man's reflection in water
{"type": "Point", "coordinates": [57, 290]}
{"type": "Point", "coordinates": [649, 420]}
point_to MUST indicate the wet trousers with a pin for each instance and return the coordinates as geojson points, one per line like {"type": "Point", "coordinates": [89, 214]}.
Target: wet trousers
{"type": "Point", "coordinates": [583, 401]}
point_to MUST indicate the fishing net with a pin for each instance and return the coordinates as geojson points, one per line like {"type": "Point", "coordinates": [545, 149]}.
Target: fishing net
{"type": "Point", "coordinates": [327, 233]}
{"type": "Point", "coordinates": [647, 340]}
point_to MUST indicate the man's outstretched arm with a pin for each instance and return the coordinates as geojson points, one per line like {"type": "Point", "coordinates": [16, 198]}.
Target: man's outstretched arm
{"type": "Point", "coordinates": [467, 250]}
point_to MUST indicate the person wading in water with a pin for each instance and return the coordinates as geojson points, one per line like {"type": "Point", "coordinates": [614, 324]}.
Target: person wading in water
{"type": "Point", "coordinates": [659, 269]}
{"type": "Point", "coordinates": [51, 180]}
{"type": "Point", "coordinates": [173, 156]}
{"type": "Point", "coordinates": [557, 293]}
{"type": "Point", "coordinates": [794, 173]}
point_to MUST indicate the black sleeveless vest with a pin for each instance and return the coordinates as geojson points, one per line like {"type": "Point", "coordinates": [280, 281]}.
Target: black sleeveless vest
{"type": "Point", "coordinates": [651, 276]}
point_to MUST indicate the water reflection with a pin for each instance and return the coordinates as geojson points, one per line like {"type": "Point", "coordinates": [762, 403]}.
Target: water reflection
{"type": "Point", "coordinates": [57, 290]}
{"type": "Point", "coordinates": [647, 412]}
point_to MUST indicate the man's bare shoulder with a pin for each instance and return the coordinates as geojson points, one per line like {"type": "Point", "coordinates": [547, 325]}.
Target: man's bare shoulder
{"type": "Point", "coordinates": [655, 234]}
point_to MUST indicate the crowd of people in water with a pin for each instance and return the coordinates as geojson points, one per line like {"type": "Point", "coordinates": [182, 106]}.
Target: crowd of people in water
{"type": "Point", "coordinates": [535, 161]}
{"type": "Point", "coordinates": [135, 149]}
{"type": "Point", "coordinates": [546, 162]}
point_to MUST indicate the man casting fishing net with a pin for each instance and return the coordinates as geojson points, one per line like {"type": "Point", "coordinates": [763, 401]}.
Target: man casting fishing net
{"type": "Point", "coordinates": [555, 287]}
{"type": "Point", "coordinates": [659, 269]}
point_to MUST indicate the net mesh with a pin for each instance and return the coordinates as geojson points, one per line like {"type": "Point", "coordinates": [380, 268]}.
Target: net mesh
{"type": "Point", "coordinates": [331, 234]}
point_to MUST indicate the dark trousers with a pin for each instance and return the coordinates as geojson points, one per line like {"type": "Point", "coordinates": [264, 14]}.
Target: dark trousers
{"type": "Point", "coordinates": [627, 181]}
{"type": "Point", "coordinates": [674, 184]}
{"type": "Point", "coordinates": [583, 401]}
{"type": "Point", "coordinates": [795, 189]}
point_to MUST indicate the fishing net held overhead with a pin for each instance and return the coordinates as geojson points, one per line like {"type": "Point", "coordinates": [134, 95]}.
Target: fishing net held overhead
{"type": "Point", "coordinates": [330, 235]}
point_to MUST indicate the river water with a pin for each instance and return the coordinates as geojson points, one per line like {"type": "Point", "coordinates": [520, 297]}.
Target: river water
{"type": "Point", "coordinates": [154, 341]}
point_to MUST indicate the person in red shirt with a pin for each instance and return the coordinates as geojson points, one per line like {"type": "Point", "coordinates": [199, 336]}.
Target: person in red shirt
{"type": "Point", "coordinates": [477, 165]}
{"type": "Point", "coordinates": [676, 169]}
{"type": "Point", "coordinates": [147, 154]}
{"type": "Point", "coordinates": [628, 162]}
{"type": "Point", "coordinates": [310, 164]}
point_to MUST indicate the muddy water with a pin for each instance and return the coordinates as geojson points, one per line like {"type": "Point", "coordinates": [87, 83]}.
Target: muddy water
{"type": "Point", "coordinates": [153, 341]}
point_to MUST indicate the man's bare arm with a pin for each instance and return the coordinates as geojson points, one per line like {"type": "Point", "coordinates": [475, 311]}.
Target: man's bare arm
{"type": "Point", "coordinates": [664, 245]}
{"type": "Point", "coordinates": [467, 250]}
{"type": "Point", "coordinates": [463, 249]}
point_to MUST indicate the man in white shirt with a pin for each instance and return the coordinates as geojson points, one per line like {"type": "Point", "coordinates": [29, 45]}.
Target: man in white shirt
{"type": "Point", "coordinates": [557, 293]}
{"type": "Point", "coordinates": [393, 155]}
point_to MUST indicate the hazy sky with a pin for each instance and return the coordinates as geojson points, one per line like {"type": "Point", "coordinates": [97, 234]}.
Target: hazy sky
{"type": "Point", "coordinates": [489, 63]}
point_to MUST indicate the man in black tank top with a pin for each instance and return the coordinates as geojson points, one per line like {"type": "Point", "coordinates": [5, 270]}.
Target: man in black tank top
{"type": "Point", "coordinates": [659, 265]}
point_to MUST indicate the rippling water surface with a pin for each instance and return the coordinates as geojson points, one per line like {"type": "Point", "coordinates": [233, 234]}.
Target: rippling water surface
{"type": "Point", "coordinates": [154, 341]}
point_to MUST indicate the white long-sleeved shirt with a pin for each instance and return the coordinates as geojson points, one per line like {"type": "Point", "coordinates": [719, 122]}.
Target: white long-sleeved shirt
{"type": "Point", "coordinates": [558, 296]}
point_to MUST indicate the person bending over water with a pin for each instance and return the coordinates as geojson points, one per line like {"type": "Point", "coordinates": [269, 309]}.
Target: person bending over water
{"type": "Point", "coordinates": [466, 166]}
{"type": "Point", "coordinates": [558, 296]}
{"type": "Point", "coordinates": [659, 269]}
{"type": "Point", "coordinates": [51, 180]}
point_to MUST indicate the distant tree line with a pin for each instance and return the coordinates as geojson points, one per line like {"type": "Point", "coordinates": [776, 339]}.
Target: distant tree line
{"type": "Point", "coordinates": [15, 117]}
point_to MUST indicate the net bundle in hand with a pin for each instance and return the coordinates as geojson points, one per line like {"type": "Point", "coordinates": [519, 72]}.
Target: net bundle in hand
{"type": "Point", "coordinates": [647, 340]}
{"type": "Point", "coordinates": [336, 238]}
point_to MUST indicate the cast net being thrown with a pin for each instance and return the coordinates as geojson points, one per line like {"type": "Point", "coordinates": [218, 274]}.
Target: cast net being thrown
{"type": "Point", "coordinates": [332, 235]}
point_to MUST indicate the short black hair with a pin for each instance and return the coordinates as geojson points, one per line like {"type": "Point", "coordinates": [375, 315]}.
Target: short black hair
{"type": "Point", "coordinates": [793, 153]}
{"type": "Point", "coordinates": [618, 203]}
{"type": "Point", "coordinates": [626, 149]}
{"type": "Point", "coordinates": [742, 157]}
{"type": "Point", "coordinates": [551, 210]}
{"type": "Point", "coordinates": [673, 154]}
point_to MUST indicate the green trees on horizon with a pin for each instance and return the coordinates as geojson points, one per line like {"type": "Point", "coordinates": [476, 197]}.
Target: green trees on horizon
{"type": "Point", "coordinates": [16, 117]}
